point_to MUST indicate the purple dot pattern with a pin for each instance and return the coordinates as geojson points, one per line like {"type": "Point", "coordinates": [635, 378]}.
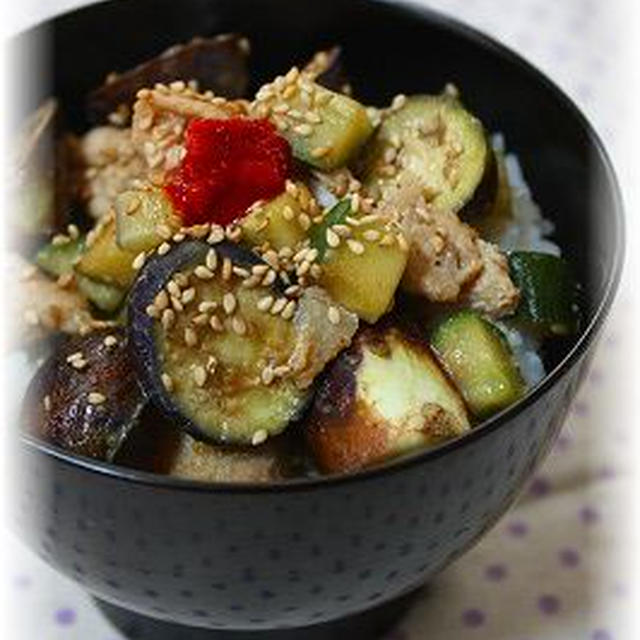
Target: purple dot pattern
{"type": "Point", "coordinates": [473, 618]}
{"type": "Point", "coordinates": [549, 34]}
{"type": "Point", "coordinates": [65, 617]}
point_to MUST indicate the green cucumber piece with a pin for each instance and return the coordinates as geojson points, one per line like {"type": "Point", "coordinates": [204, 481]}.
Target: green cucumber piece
{"type": "Point", "coordinates": [326, 135]}
{"type": "Point", "coordinates": [477, 357]}
{"type": "Point", "coordinates": [106, 297]}
{"type": "Point", "coordinates": [58, 259]}
{"type": "Point", "coordinates": [548, 304]}
{"type": "Point", "coordinates": [139, 214]}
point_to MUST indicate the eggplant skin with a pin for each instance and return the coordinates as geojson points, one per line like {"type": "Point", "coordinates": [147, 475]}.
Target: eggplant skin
{"type": "Point", "coordinates": [219, 64]}
{"type": "Point", "coordinates": [57, 406]}
{"type": "Point", "coordinates": [328, 69]}
{"type": "Point", "coordinates": [382, 397]}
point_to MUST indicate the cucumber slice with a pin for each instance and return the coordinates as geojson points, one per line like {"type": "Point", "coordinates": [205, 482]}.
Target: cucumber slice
{"type": "Point", "coordinates": [58, 259]}
{"type": "Point", "coordinates": [278, 222]}
{"type": "Point", "coordinates": [548, 304]}
{"type": "Point", "coordinates": [139, 216]}
{"type": "Point", "coordinates": [204, 366]}
{"type": "Point", "coordinates": [325, 129]}
{"type": "Point", "coordinates": [318, 234]}
{"type": "Point", "coordinates": [436, 140]}
{"type": "Point", "coordinates": [104, 260]}
{"type": "Point", "coordinates": [477, 357]}
{"type": "Point", "coordinates": [106, 297]}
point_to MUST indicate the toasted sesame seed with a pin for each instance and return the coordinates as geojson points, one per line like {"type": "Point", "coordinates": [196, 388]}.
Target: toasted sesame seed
{"type": "Point", "coordinates": [188, 295]}
{"type": "Point", "coordinates": [73, 231]}
{"type": "Point", "coordinates": [173, 288]}
{"type": "Point", "coordinates": [266, 375]}
{"type": "Point", "coordinates": [233, 233]}
{"type": "Point", "coordinates": [60, 239]}
{"type": "Point", "coordinates": [200, 375]}
{"type": "Point", "coordinates": [190, 337]}
{"type": "Point", "coordinates": [285, 253]}
{"type": "Point", "coordinates": [300, 255]}
{"type": "Point", "coordinates": [229, 303]}
{"type": "Point", "coordinates": [304, 267]}
{"type": "Point", "coordinates": [216, 236]}
{"type": "Point", "coordinates": [47, 403]}
{"type": "Point", "coordinates": [79, 364]}
{"type": "Point", "coordinates": [320, 152]}
{"type": "Point", "coordinates": [161, 301]}
{"type": "Point", "coordinates": [133, 205]}
{"type": "Point", "coordinates": [238, 325]}
{"type": "Point", "coordinates": [178, 86]}
{"type": "Point", "coordinates": [207, 305]}
{"type": "Point", "coordinates": [65, 280]}
{"type": "Point", "coordinates": [263, 225]}
{"type": "Point", "coordinates": [241, 272]}
{"type": "Point", "coordinates": [312, 117]}
{"type": "Point", "coordinates": [251, 281]}
{"type": "Point", "coordinates": [270, 256]}
{"type": "Point", "coordinates": [167, 381]}
{"type": "Point", "coordinates": [216, 324]}
{"type": "Point", "coordinates": [200, 320]}
{"type": "Point", "coordinates": [304, 221]}
{"type": "Point", "coordinates": [164, 248]}
{"type": "Point", "coordinates": [278, 306]}
{"type": "Point", "coordinates": [293, 290]}
{"type": "Point", "coordinates": [76, 355]}
{"type": "Point", "coordinates": [315, 271]}
{"type": "Point", "coordinates": [259, 269]}
{"type": "Point", "coordinates": [343, 230]}
{"type": "Point", "coordinates": [178, 237]}
{"type": "Point", "coordinates": [281, 371]}
{"type": "Point", "coordinates": [355, 202]}
{"type": "Point", "coordinates": [177, 304]}
{"type": "Point", "coordinates": [110, 341]}
{"type": "Point", "coordinates": [303, 130]}
{"type": "Point", "coordinates": [203, 273]}
{"type": "Point", "coordinates": [168, 319]}
{"type": "Point", "coordinates": [259, 437]}
{"type": "Point", "coordinates": [312, 255]}
{"type": "Point", "coordinates": [398, 102]}
{"type": "Point", "coordinates": [138, 261]}
{"type": "Point", "coordinates": [289, 310]}
{"type": "Point", "coordinates": [402, 242]}
{"type": "Point", "coordinates": [95, 397]}
{"type": "Point", "coordinates": [334, 315]}
{"type": "Point", "coordinates": [227, 268]}
{"type": "Point", "coordinates": [212, 363]}
{"type": "Point", "coordinates": [291, 188]}
{"type": "Point", "coordinates": [199, 231]}
{"type": "Point", "coordinates": [269, 278]}
{"type": "Point", "coordinates": [264, 304]}
{"type": "Point", "coordinates": [333, 239]}
{"type": "Point", "coordinates": [355, 246]}
{"type": "Point", "coordinates": [164, 231]}
{"type": "Point", "coordinates": [152, 311]}
{"type": "Point", "coordinates": [287, 213]}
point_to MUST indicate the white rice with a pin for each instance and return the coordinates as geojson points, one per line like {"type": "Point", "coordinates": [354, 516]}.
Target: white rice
{"type": "Point", "coordinates": [527, 231]}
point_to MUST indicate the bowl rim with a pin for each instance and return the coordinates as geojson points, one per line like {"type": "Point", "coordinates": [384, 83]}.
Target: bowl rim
{"type": "Point", "coordinates": [588, 335]}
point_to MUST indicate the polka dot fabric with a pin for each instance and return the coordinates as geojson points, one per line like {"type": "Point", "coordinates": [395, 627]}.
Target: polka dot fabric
{"type": "Point", "coordinates": [547, 571]}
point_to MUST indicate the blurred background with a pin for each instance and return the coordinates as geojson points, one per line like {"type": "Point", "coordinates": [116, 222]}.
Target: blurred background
{"type": "Point", "coordinates": [562, 565]}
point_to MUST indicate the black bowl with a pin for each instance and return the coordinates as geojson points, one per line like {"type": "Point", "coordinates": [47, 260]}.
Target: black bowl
{"type": "Point", "coordinates": [172, 556]}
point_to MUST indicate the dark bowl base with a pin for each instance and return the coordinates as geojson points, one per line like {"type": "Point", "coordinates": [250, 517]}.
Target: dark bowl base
{"type": "Point", "coordinates": [370, 625]}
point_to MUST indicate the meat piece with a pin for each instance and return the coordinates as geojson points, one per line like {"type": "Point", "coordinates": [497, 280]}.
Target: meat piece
{"type": "Point", "coordinates": [318, 339]}
{"type": "Point", "coordinates": [443, 254]}
{"type": "Point", "coordinates": [38, 306]}
{"type": "Point", "coordinates": [160, 117]}
{"type": "Point", "coordinates": [493, 292]}
{"type": "Point", "coordinates": [112, 164]}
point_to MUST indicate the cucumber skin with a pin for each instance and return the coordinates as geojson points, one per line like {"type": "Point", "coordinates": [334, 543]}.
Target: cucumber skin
{"type": "Point", "coordinates": [56, 260]}
{"type": "Point", "coordinates": [549, 301]}
{"type": "Point", "coordinates": [485, 392]}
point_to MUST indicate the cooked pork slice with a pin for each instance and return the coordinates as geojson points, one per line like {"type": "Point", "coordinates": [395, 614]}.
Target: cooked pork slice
{"type": "Point", "coordinates": [324, 329]}
{"type": "Point", "coordinates": [112, 164]}
{"type": "Point", "coordinates": [493, 292]}
{"type": "Point", "coordinates": [444, 256]}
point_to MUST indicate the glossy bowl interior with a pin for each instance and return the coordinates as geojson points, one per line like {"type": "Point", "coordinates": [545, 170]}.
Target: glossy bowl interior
{"type": "Point", "coordinates": [258, 558]}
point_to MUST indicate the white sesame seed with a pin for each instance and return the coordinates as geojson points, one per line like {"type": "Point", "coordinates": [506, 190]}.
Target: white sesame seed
{"type": "Point", "coordinates": [164, 231]}
{"type": "Point", "coordinates": [216, 236]}
{"type": "Point", "coordinates": [73, 231]}
{"type": "Point", "coordinates": [227, 269]}
{"type": "Point", "coordinates": [200, 375]}
{"type": "Point", "coordinates": [161, 301]}
{"type": "Point", "coordinates": [76, 355]}
{"type": "Point", "coordinates": [203, 273]}
{"type": "Point", "coordinates": [173, 288]}
{"type": "Point", "coordinates": [176, 304]}
{"type": "Point", "coordinates": [259, 269]}
{"type": "Point", "coordinates": [293, 290]}
{"type": "Point", "coordinates": [241, 272]}
{"type": "Point", "coordinates": [333, 239]}
{"type": "Point", "coordinates": [207, 305]}
{"type": "Point", "coordinates": [152, 311]}
{"type": "Point", "coordinates": [200, 320]}
{"type": "Point", "coordinates": [259, 437]}
{"type": "Point", "coordinates": [190, 337]}
{"type": "Point", "coordinates": [320, 152]}
{"type": "Point", "coordinates": [167, 381]}
{"type": "Point", "coordinates": [47, 403]}
{"type": "Point", "coordinates": [287, 213]}
{"type": "Point", "coordinates": [251, 281]}
{"type": "Point", "coordinates": [342, 230]}
{"type": "Point", "coordinates": [110, 341]}
{"type": "Point", "coordinates": [304, 267]}
{"type": "Point", "coordinates": [138, 261]}
{"type": "Point", "coordinates": [212, 363]}
{"type": "Point", "coordinates": [285, 253]}
{"type": "Point", "coordinates": [178, 237]}
{"type": "Point", "coordinates": [188, 295]}
{"type": "Point", "coordinates": [168, 319]}
{"type": "Point", "coordinates": [281, 371]}
{"type": "Point", "coordinates": [264, 304]}
{"type": "Point", "coordinates": [266, 375]}
{"type": "Point", "coordinates": [289, 310]}
{"type": "Point", "coordinates": [216, 324]}
{"type": "Point", "coordinates": [334, 315]}
{"type": "Point", "coordinates": [238, 325]}
{"type": "Point", "coordinates": [291, 188]}
{"type": "Point", "coordinates": [164, 248]}
{"type": "Point", "coordinates": [278, 306]}
{"type": "Point", "coordinates": [79, 364]}
{"type": "Point", "coordinates": [402, 242]}
{"type": "Point", "coordinates": [312, 255]}
{"type": "Point", "coordinates": [229, 303]}
{"type": "Point", "coordinates": [303, 130]}
{"type": "Point", "coordinates": [60, 239]}
{"type": "Point", "coordinates": [304, 221]}
{"type": "Point", "coordinates": [95, 397]}
{"type": "Point", "coordinates": [269, 278]}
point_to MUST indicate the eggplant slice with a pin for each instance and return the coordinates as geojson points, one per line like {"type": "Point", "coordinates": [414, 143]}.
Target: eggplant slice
{"type": "Point", "coordinates": [207, 355]}
{"type": "Point", "coordinates": [85, 398]}
{"type": "Point", "coordinates": [218, 64]}
{"type": "Point", "coordinates": [384, 396]}
{"type": "Point", "coordinates": [327, 69]}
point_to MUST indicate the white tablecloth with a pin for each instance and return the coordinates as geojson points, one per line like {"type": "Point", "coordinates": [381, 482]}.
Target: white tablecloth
{"type": "Point", "coordinates": [560, 565]}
